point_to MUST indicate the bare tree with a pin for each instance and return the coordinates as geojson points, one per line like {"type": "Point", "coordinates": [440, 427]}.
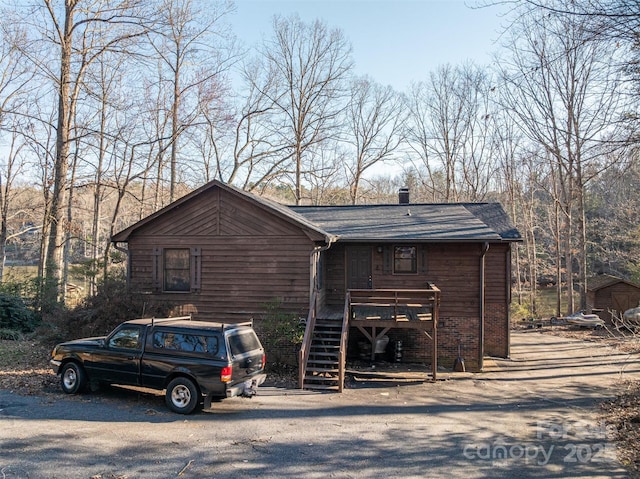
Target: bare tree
{"type": "Point", "coordinates": [108, 95]}
{"type": "Point", "coordinates": [563, 92]}
{"type": "Point", "coordinates": [241, 142]}
{"type": "Point", "coordinates": [325, 175]}
{"type": "Point", "coordinates": [310, 63]}
{"type": "Point", "coordinates": [12, 167]}
{"type": "Point", "coordinates": [75, 33]}
{"type": "Point", "coordinates": [15, 76]}
{"type": "Point", "coordinates": [192, 42]}
{"type": "Point", "coordinates": [448, 130]}
{"type": "Point", "coordinates": [617, 20]}
{"type": "Point", "coordinates": [374, 123]}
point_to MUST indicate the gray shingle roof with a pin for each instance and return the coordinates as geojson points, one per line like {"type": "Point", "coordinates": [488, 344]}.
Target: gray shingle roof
{"type": "Point", "coordinates": [379, 223]}
{"type": "Point", "coordinates": [605, 280]}
{"type": "Point", "coordinates": [416, 222]}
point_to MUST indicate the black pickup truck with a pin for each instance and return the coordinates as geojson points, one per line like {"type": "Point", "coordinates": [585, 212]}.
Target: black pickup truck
{"type": "Point", "coordinates": [194, 361]}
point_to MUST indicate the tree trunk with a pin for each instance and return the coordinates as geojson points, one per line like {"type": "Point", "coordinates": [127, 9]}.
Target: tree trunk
{"type": "Point", "coordinates": [52, 292]}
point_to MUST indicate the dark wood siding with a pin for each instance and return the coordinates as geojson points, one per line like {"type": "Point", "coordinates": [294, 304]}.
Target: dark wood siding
{"type": "Point", "coordinates": [454, 268]}
{"type": "Point", "coordinates": [616, 297]}
{"type": "Point", "coordinates": [335, 278]}
{"type": "Point", "coordinates": [249, 257]}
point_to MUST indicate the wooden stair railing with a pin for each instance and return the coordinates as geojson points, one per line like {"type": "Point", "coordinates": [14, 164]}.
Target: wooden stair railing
{"type": "Point", "coordinates": [343, 339]}
{"type": "Point", "coordinates": [303, 354]}
{"type": "Point", "coordinates": [323, 354]}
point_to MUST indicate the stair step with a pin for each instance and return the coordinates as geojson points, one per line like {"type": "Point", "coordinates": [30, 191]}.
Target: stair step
{"type": "Point", "coordinates": [321, 379]}
{"type": "Point", "coordinates": [322, 362]}
{"type": "Point", "coordinates": [320, 386]}
{"type": "Point", "coordinates": [328, 344]}
{"type": "Point", "coordinates": [330, 357]}
{"type": "Point", "coordinates": [334, 339]}
{"type": "Point", "coordinates": [323, 352]}
{"type": "Point", "coordinates": [334, 356]}
{"type": "Point", "coordinates": [322, 370]}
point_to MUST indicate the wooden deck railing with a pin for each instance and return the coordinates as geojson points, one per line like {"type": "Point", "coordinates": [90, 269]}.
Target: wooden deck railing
{"type": "Point", "coordinates": [425, 301]}
{"type": "Point", "coordinates": [397, 299]}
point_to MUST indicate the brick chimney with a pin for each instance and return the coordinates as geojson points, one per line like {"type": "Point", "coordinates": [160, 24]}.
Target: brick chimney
{"type": "Point", "coordinates": [403, 196]}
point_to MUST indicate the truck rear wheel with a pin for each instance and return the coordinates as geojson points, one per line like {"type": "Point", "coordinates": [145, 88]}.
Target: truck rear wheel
{"type": "Point", "coordinates": [182, 396]}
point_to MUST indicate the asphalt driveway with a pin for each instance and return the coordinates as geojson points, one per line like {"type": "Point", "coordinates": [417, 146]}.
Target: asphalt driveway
{"type": "Point", "coordinates": [532, 416]}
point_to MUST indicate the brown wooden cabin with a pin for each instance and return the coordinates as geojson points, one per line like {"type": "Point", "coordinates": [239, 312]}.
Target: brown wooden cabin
{"type": "Point", "coordinates": [432, 278]}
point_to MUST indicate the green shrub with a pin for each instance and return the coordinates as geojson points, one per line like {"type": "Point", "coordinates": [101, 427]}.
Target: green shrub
{"type": "Point", "coordinates": [11, 334]}
{"type": "Point", "coordinates": [281, 326]}
{"type": "Point", "coordinates": [15, 315]}
{"type": "Point", "coordinates": [520, 311]}
{"type": "Point", "coordinates": [281, 333]}
{"type": "Point", "coordinates": [28, 289]}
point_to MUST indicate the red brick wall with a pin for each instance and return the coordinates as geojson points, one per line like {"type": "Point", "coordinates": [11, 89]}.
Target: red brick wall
{"type": "Point", "coordinates": [496, 331]}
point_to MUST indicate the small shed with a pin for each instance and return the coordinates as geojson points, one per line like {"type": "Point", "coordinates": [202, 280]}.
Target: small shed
{"type": "Point", "coordinates": [609, 293]}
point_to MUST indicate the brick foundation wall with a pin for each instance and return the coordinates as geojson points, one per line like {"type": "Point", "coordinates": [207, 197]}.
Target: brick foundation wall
{"type": "Point", "coordinates": [496, 331]}
{"type": "Point", "coordinates": [417, 346]}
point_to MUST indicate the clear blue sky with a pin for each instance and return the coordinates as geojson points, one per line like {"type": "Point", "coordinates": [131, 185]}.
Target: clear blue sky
{"type": "Point", "coordinates": [394, 42]}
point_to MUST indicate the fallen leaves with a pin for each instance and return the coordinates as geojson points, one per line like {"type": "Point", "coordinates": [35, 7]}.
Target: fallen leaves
{"type": "Point", "coordinates": [622, 416]}
{"type": "Point", "coordinates": [24, 367]}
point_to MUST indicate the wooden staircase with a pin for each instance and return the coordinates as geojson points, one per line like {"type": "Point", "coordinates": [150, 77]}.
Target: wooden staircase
{"type": "Point", "coordinates": [322, 371]}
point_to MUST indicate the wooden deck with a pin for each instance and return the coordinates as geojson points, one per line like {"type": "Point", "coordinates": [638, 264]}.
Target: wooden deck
{"type": "Point", "coordinates": [409, 313]}
{"type": "Point", "coordinates": [375, 311]}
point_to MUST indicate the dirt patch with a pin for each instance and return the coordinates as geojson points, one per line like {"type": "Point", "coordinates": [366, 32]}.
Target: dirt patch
{"type": "Point", "coordinates": [625, 341]}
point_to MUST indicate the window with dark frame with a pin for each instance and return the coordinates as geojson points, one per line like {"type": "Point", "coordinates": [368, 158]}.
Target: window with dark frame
{"type": "Point", "coordinates": [186, 342]}
{"type": "Point", "coordinates": [405, 260]}
{"type": "Point", "coordinates": [177, 269]}
{"type": "Point", "coordinates": [126, 338]}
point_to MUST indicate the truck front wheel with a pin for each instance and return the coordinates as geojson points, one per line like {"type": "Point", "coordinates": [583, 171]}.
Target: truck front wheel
{"type": "Point", "coordinates": [182, 396]}
{"type": "Point", "coordinates": [73, 378]}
